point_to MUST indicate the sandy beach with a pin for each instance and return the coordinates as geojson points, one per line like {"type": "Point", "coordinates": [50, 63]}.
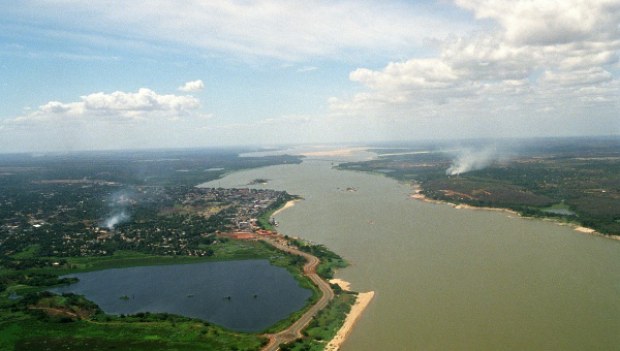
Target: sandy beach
{"type": "Point", "coordinates": [286, 206]}
{"type": "Point", "coordinates": [477, 208]}
{"type": "Point", "coordinates": [361, 302]}
{"type": "Point", "coordinates": [590, 231]}
{"type": "Point", "coordinates": [585, 230]}
{"type": "Point", "coordinates": [344, 285]}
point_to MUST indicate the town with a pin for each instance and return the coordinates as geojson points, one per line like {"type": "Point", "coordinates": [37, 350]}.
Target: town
{"type": "Point", "coordinates": [96, 219]}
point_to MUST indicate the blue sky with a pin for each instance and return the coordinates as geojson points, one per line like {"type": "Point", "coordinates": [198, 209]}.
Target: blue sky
{"type": "Point", "coordinates": [78, 75]}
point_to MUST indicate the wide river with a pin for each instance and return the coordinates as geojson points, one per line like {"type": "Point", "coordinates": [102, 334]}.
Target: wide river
{"type": "Point", "coordinates": [450, 279]}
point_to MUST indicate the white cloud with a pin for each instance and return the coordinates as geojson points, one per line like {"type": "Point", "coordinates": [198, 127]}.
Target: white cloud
{"type": "Point", "coordinates": [544, 61]}
{"type": "Point", "coordinates": [194, 85]}
{"type": "Point", "coordinates": [550, 22]}
{"type": "Point", "coordinates": [591, 77]}
{"type": "Point", "coordinates": [530, 67]}
{"type": "Point", "coordinates": [116, 107]}
{"type": "Point", "coordinates": [307, 69]}
{"type": "Point", "coordinates": [282, 29]}
{"type": "Point", "coordinates": [108, 120]}
{"type": "Point", "coordinates": [412, 74]}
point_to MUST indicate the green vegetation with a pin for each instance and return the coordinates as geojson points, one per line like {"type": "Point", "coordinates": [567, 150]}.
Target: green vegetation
{"type": "Point", "coordinates": [85, 220]}
{"type": "Point", "coordinates": [223, 250]}
{"type": "Point", "coordinates": [326, 324]}
{"type": "Point", "coordinates": [63, 214]}
{"type": "Point", "coordinates": [316, 295]}
{"type": "Point", "coordinates": [573, 180]}
{"type": "Point", "coordinates": [69, 322]}
{"type": "Point", "coordinates": [109, 330]}
{"type": "Point", "coordinates": [294, 264]}
{"type": "Point", "coordinates": [67, 214]}
{"type": "Point", "coordinates": [145, 167]}
{"type": "Point", "coordinates": [265, 220]}
{"type": "Point", "coordinates": [22, 280]}
{"type": "Point", "coordinates": [330, 261]}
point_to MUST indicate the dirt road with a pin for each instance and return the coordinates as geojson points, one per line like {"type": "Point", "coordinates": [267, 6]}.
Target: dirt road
{"type": "Point", "coordinates": [294, 331]}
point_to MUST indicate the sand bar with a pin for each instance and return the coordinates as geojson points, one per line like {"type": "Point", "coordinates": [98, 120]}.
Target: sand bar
{"type": "Point", "coordinates": [585, 230]}
{"type": "Point", "coordinates": [361, 302]}
{"type": "Point", "coordinates": [286, 206]}
{"type": "Point", "coordinates": [344, 285]}
{"type": "Point", "coordinates": [335, 153]}
{"type": "Point", "coordinates": [591, 231]}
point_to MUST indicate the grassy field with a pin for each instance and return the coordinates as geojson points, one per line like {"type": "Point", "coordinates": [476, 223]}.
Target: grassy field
{"type": "Point", "coordinates": [44, 321]}
{"type": "Point", "coordinates": [50, 323]}
{"type": "Point", "coordinates": [225, 250]}
{"type": "Point", "coordinates": [27, 333]}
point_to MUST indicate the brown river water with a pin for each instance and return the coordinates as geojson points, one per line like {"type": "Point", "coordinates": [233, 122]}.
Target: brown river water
{"type": "Point", "coordinates": [451, 279]}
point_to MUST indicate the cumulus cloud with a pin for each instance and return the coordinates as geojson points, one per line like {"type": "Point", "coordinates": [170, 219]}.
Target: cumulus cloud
{"type": "Point", "coordinates": [541, 60]}
{"type": "Point", "coordinates": [117, 106]}
{"type": "Point", "coordinates": [412, 74]}
{"type": "Point", "coordinates": [139, 119]}
{"type": "Point", "coordinates": [194, 85]}
{"type": "Point", "coordinates": [550, 22]}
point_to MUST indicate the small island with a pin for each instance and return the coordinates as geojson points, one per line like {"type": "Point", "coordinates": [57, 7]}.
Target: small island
{"type": "Point", "coordinates": [259, 181]}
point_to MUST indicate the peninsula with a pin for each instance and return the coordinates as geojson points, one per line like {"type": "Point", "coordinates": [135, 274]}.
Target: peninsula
{"type": "Point", "coordinates": [61, 217]}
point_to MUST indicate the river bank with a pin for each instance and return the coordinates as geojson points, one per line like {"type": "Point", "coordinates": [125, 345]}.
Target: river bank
{"type": "Point", "coordinates": [446, 279]}
{"type": "Point", "coordinates": [417, 195]}
{"type": "Point", "coordinates": [361, 302]}
{"type": "Point", "coordinates": [286, 206]}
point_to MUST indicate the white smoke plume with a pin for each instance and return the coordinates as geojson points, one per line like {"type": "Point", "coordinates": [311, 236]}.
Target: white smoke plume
{"type": "Point", "coordinates": [472, 160]}
{"type": "Point", "coordinates": [115, 219]}
{"type": "Point", "coordinates": [119, 204]}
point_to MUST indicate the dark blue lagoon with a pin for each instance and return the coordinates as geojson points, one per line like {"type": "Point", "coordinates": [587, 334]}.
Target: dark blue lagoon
{"type": "Point", "coordinates": [249, 295]}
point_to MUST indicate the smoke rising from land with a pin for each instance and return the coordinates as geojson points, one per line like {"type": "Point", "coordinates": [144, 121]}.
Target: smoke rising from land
{"type": "Point", "coordinates": [119, 204]}
{"type": "Point", "coordinates": [118, 218]}
{"type": "Point", "coordinates": [472, 160]}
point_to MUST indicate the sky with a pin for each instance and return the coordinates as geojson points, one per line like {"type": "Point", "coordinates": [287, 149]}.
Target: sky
{"type": "Point", "coordinates": [93, 75]}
